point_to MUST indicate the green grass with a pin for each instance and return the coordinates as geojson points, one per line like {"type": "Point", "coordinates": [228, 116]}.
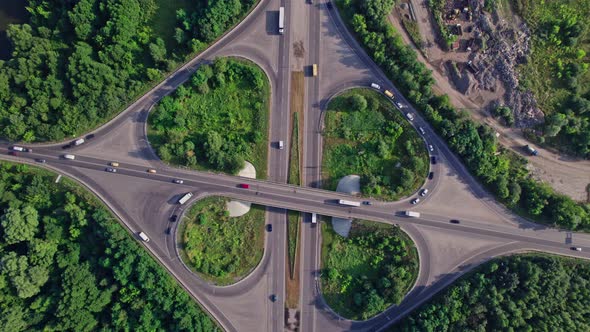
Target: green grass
{"type": "Point", "coordinates": [376, 143]}
{"type": "Point", "coordinates": [293, 221]}
{"type": "Point", "coordinates": [231, 101]}
{"type": "Point", "coordinates": [414, 32]}
{"type": "Point", "coordinates": [221, 249]}
{"type": "Point", "coordinates": [294, 174]}
{"type": "Point", "coordinates": [371, 270]}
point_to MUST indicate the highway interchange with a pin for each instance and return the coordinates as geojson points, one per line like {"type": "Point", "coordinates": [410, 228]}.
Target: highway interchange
{"type": "Point", "coordinates": [145, 202]}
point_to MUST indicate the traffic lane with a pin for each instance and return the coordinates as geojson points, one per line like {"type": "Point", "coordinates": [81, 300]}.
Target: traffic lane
{"type": "Point", "coordinates": [312, 200]}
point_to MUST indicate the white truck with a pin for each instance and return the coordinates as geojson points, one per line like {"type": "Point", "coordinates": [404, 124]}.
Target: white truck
{"type": "Point", "coordinates": [69, 156]}
{"type": "Point", "coordinates": [185, 198]}
{"type": "Point", "coordinates": [143, 237]}
{"type": "Point", "coordinates": [282, 20]}
{"type": "Point", "coordinates": [18, 148]}
{"type": "Point", "coordinates": [348, 203]}
{"type": "Point", "coordinates": [314, 218]}
{"type": "Point", "coordinates": [412, 214]}
{"type": "Point", "coordinates": [79, 142]}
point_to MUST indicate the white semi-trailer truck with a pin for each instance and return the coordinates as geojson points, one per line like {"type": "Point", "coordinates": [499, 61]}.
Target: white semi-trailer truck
{"type": "Point", "coordinates": [282, 20]}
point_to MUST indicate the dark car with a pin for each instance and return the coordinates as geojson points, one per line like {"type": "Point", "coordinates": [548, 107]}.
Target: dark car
{"type": "Point", "coordinates": [168, 230]}
{"type": "Point", "coordinates": [12, 153]}
{"type": "Point", "coordinates": [430, 175]}
{"type": "Point", "coordinates": [454, 221]}
{"type": "Point", "coordinates": [329, 4]}
{"type": "Point", "coordinates": [173, 218]}
{"type": "Point", "coordinates": [244, 186]}
{"type": "Point", "coordinates": [269, 228]}
{"type": "Point", "coordinates": [273, 298]}
{"type": "Point", "coordinates": [42, 161]}
{"type": "Point", "coordinates": [90, 136]}
{"type": "Point", "coordinates": [367, 203]}
{"type": "Point", "coordinates": [433, 160]}
{"type": "Point", "coordinates": [67, 146]}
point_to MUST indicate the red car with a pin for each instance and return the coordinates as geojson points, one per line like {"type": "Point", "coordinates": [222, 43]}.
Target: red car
{"type": "Point", "coordinates": [244, 185]}
{"type": "Point", "coordinates": [12, 153]}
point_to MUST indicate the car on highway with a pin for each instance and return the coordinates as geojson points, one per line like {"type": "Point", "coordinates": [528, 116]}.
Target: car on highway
{"type": "Point", "coordinates": [399, 105]}
{"type": "Point", "coordinates": [367, 203]}
{"type": "Point", "coordinates": [430, 148]}
{"type": "Point", "coordinates": [433, 160]}
{"type": "Point", "coordinates": [42, 161]}
{"type": "Point", "coordinates": [67, 146]}
{"type": "Point", "coordinates": [178, 181]}
{"type": "Point", "coordinates": [12, 153]}
{"type": "Point", "coordinates": [143, 237]}
{"type": "Point", "coordinates": [273, 298]}
{"type": "Point", "coordinates": [410, 116]}
{"type": "Point", "coordinates": [244, 186]}
{"type": "Point", "coordinates": [422, 131]}
{"type": "Point", "coordinates": [90, 136]}
{"type": "Point", "coordinates": [454, 221]}
{"type": "Point", "coordinates": [430, 175]}
{"type": "Point", "coordinates": [424, 192]}
{"type": "Point", "coordinates": [151, 170]}
{"type": "Point", "coordinates": [114, 164]}
{"type": "Point", "coordinates": [269, 228]}
{"type": "Point", "coordinates": [174, 218]}
{"type": "Point", "coordinates": [168, 230]}
{"type": "Point", "coordinates": [415, 200]}
{"type": "Point", "coordinates": [576, 248]}
{"type": "Point", "coordinates": [329, 4]}
{"type": "Point", "coordinates": [112, 170]}
{"type": "Point", "coordinates": [376, 86]}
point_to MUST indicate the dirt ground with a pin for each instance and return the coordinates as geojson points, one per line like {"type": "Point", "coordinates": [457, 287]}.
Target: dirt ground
{"type": "Point", "coordinates": [566, 175]}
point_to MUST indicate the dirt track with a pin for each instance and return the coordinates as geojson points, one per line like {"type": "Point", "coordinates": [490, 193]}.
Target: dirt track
{"type": "Point", "coordinates": [566, 175]}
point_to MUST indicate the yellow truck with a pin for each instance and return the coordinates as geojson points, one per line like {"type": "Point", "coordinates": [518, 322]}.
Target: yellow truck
{"type": "Point", "coordinates": [389, 94]}
{"type": "Point", "coordinates": [315, 69]}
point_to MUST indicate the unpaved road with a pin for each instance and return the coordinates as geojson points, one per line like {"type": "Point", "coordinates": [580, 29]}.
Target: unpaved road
{"type": "Point", "coordinates": [566, 175]}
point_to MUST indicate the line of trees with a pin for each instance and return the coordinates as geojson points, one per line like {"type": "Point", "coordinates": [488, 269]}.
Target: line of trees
{"type": "Point", "coordinates": [502, 172]}
{"type": "Point", "coordinates": [67, 264]}
{"type": "Point", "coordinates": [77, 63]}
{"type": "Point", "coordinates": [519, 293]}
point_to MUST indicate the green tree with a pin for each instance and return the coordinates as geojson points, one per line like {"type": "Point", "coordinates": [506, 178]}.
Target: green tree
{"type": "Point", "coordinates": [19, 225]}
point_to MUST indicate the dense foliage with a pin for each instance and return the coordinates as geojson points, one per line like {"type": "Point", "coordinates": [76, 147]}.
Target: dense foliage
{"type": "Point", "coordinates": [504, 174]}
{"type": "Point", "coordinates": [216, 120]}
{"type": "Point", "coordinates": [520, 293]}
{"type": "Point", "coordinates": [369, 271]}
{"type": "Point", "coordinates": [67, 265]}
{"type": "Point", "coordinates": [79, 62]}
{"type": "Point", "coordinates": [365, 134]}
{"type": "Point", "coordinates": [557, 71]}
{"type": "Point", "coordinates": [446, 38]}
{"type": "Point", "coordinates": [222, 249]}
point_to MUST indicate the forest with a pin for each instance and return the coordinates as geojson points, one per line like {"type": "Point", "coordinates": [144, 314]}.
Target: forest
{"type": "Point", "coordinates": [503, 173]}
{"type": "Point", "coordinates": [557, 70]}
{"type": "Point", "coordinates": [369, 271]}
{"type": "Point", "coordinates": [516, 293]}
{"type": "Point", "coordinates": [66, 264]}
{"type": "Point", "coordinates": [76, 64]}
{"type": "Point", "coordinates": [216, 120]}
{"type": "Point", "coordinates": [364, 134]}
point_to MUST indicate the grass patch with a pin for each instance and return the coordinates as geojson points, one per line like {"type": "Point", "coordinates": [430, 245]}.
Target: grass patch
{"type": "Point", "coordinates": [294, 167]}
{"type": "Point", "coordinates": [216, 120]}
{"type": "Point", "coordinates": [414, 32]}
{"type": "Point", "coordinates": [365, 135]}
{"type": "Point", "coordinates": [369, 271]}
{"type": "Point", "coordinates": [221, 249]}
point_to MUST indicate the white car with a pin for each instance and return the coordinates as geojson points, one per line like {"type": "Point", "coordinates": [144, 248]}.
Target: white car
{"type": "Point", "coordinates": [375, 86]}
{"type": "Point", "coordinates": [430, 147]}
{"type": "Point", "coordinates": [416, 201]}
{"type": "Point", "coordinates": [398, 104]}
{"type": "Point", "coordinates": [410, 116]}
{"type": "Point", "coordinates": [424, 192]}
{"type": "Point", "coordinates": [178, 181]}
{"type": "Point", "coordinates": [422, 130]}
{"type": "Point", "coordinates": [111, 170]}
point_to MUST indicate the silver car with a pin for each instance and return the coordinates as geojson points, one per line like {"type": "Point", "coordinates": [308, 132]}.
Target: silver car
{"type": "Point", "coordinates": [178, 181]}
{"type": "Point", "coordinates": [111, 170]}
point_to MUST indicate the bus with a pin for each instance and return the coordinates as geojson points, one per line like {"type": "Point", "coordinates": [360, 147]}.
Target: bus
{"type": "Point", "coordinates": [348, 203]}
{"type": "Point", "coordinates": [315, 69]}
{"type": "Point", "coordinates": [282, 20]}
{"type": "Point", "coordinates": [185, 198]}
